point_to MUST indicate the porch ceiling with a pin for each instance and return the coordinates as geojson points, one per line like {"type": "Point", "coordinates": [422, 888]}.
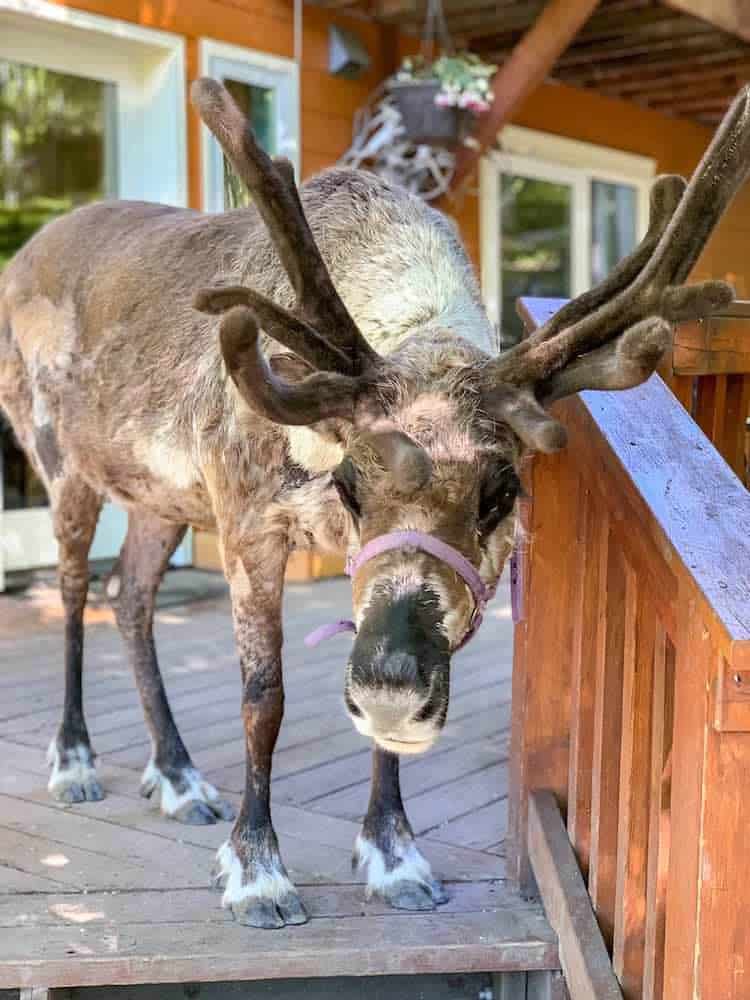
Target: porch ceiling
{"type": "Point", "coordinates": [639, 50]}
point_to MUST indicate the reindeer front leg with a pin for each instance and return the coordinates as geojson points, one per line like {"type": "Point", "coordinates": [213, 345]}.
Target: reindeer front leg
{"type": "Point", "coordinates": [396, 870]}
{"type": "Point", "coordinates": [257, 887]}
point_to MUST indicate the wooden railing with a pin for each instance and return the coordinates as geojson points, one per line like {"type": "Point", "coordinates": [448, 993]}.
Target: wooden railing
{"type": "Point", "coordinates": [631, 699]}
{"type": "Point", "coordinates": [709, 372]}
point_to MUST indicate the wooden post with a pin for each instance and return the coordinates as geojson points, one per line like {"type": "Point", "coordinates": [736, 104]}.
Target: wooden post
{"type": "Point", "coordinates": [541, 696]}
{"type": "Point", "coordinates": [528, 65]}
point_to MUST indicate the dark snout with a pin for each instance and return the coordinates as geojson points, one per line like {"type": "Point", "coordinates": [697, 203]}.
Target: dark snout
{"type": "Point", "coordinates": [399, 672]}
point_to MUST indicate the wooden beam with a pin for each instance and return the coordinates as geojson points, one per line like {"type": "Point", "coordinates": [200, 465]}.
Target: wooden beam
{"type": "Point", "coordinates": [490, 21]}
{"type": "Point", "coordinates": [579, 55]}
{"type": "Point", "coordinates": [696, 105]}
{"type": "Point", "coordinates": [729, 15]}
{"type": "Point", "coordinates": [396, 10]}
{"type": "Point", "coordinates": [528, 65]}
{"type": "Point", "coordinates": [593, 75]}
{"type": "Point", "coordinates": [732, 74]}
{"type": "Point", "coordinates": [583, 956]}
{"type": "Point", "coordinates": [655, 96]}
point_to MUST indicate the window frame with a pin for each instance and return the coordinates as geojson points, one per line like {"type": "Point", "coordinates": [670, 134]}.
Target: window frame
{"type": "Point", "coordinates": [258, 69]}
{"type": "Point", "coordinates": [147, 67]}
{"type": "Point", "coordinates": [553, 158]}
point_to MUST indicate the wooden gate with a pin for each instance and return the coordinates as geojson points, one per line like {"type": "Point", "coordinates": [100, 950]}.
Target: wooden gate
{"type": "Point", "coordinates": [631, 699]}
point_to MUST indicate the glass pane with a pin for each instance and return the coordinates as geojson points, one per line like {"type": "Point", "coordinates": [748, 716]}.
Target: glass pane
{"type": "Point", "coordinates": [535, 221]}
{"type": "Point", "coordinates": [56, 152]}
{"type": "Point", "coordinates": [258, 103]}
{"type": "Point", "coordinates": [613, 222]}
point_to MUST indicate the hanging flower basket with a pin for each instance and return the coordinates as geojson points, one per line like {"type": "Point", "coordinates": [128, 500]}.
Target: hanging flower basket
{"type": "Point", "coordinates": [426, 122]}
{"type": "Point", "coordinates": [439, 100]}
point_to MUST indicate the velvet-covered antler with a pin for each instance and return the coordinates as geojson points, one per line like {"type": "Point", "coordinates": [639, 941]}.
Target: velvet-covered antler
{"type": "Point", "coordinates": [319, 330]}
{"type": "Point", "coordinates": [613, 336]}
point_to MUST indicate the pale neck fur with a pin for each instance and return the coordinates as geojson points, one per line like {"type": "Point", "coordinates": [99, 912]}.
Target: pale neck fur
{"type": "Point", "coordinates": [434, 291]}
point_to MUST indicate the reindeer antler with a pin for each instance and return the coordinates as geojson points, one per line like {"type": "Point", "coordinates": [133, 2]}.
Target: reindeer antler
{"type": "Point", "coordinates": [318, 304]}
{"type": "Point", "coordinates": [613, 336]}
{"type": "Point", "coordinates": [320, 330]}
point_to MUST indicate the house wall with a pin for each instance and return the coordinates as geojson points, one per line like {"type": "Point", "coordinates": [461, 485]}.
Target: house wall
{"type": "Point", "coordinates": [327, 103]}
{"type": "Point", "coordinates": [675, 144]}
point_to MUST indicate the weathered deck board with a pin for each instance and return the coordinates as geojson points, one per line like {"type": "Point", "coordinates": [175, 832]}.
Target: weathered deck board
{"type": "Point", "coordinates": [110, 892]}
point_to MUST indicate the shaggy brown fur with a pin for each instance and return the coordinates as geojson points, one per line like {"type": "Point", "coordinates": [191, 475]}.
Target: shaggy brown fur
{"type": "Point", "coordinates": [117, 387]}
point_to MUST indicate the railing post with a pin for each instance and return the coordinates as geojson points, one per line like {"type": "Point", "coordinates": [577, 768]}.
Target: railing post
{"type": "Point", "coordinates": [542, 655]}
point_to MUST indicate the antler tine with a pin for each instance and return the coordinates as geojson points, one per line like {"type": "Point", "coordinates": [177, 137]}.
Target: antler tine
{"type": "Point", "coordinates": [622, 364]}
{"type": "Point", "coordinates": [577, 336]}
{"type": "Point", "coordinates": [665, 196]}
{"type": "Point", "coordinates": [720, 174]}
{"type": "Point", "coordinates": [320, 396]}
{"type": "Point", "coordinates": [275, 194]}
{"type": "Point", "coordinates": [283, 326]}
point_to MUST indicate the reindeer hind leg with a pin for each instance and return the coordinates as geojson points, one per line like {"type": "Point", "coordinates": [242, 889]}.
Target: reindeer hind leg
{"type": "Point", "coordinates": [182, 793]}
{"type": "Point", "coordinates": [75, 511]}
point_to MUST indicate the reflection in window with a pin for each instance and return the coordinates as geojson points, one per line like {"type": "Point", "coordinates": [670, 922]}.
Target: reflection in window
{"type": "Point", "coordinates": [613, 222]}
{"type": "Point", "coordinates": [258, 104]}
{"type": "Point", "coordinates": [21, 487]}
{"type": "Point", "coordinates": [535, 220]}
{"type": "Point", "coordinates": [56, 152]}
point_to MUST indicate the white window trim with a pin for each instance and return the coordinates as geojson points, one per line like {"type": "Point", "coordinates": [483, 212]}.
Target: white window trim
{"type": "Point", "coordinates": [148, 67]}
{"type": "Point", "coordinates": [219, 59]}
{"type": "Point", "coordinates": [564, 161]}
{"type": "Point", "coordinates": [150, 77]}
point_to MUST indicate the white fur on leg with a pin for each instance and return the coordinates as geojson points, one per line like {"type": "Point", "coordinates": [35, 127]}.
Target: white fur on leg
{"type": "Point", "coordinates": [268, 883]}
{"type": "Point", "coordinates": [411, 865]}
{"type": "Point", "coordinates": [172, 801]}
{"type": "Point", "coordinates": [78, 768]}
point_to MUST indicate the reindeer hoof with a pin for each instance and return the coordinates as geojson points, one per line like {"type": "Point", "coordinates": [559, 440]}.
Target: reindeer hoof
{"type": "Point", "coordinates": [89, 791]}
{"type": "Point", "coordinates": [265, 913]}
{"type": "Point", "coordinates": [194, 814]}
{"type": "Point", "coordinates": [398, 873]}
{"type": "Point", "coordinates": [73, 775]}
{"type": "Point", "coordinates": [414, 895]}
{"type": "Point", "coordinates": [259, 894]}
{"type": "Point", "coordinates": [184, 796]}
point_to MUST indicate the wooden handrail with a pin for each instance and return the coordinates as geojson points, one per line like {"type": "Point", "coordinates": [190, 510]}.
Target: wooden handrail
{"type": "Point", "coordinates": [632, 684]}
{"type": "Point", "coordinates": [718, 345]}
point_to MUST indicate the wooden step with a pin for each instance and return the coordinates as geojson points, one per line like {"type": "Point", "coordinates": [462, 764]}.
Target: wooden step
{"type": "Point", "coordinates": [172, 936]}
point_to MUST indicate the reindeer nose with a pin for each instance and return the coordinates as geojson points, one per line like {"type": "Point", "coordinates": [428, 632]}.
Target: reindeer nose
{"type": "Point", "coordinates": [401, 669]}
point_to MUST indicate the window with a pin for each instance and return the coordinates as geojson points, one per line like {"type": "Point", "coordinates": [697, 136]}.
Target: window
{"type": "Point", "coordinates": [556, 216]}
{"type": "Point", "coordinates": [56, 136]}
{"type": "Point", "coordinates": [87, 105]}
{"type": "Point", "coordinates": [267, 89]}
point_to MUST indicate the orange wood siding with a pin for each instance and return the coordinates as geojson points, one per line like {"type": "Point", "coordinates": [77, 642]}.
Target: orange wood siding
{"type": "Point", "coordinates": [328, 103]}
{"type": "Point", "coordinates": [676, 145]}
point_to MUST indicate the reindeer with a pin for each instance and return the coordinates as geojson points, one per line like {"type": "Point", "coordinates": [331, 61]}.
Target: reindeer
{"type": "Point", "coordinates": [371, 414]}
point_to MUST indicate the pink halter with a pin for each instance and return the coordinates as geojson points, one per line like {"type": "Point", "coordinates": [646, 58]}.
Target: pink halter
{"type": "Point", "coordinates": [425, 543]}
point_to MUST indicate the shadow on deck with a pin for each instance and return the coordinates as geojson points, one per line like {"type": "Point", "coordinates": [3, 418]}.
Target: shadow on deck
{"type": "Point", "coordinates": [109, 892]}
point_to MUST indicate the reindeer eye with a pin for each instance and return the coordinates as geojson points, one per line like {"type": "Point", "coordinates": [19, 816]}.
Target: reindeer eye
{"type": "Point", "coordinates": [345, 480]}
{"type": "Point", "coordinates": [498, 494]}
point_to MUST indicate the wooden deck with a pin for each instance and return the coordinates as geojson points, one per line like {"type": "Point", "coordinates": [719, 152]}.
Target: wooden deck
{"type": "Point", "coordinates": [110, 892]}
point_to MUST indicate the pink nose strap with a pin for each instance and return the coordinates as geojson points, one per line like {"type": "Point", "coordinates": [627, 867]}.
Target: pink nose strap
{"type": "Point", "coordinates": [425, 543]}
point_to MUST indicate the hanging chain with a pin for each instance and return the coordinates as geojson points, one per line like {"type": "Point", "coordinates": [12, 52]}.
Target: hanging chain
{"type": "Point", "coordinates": [435, 31]}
